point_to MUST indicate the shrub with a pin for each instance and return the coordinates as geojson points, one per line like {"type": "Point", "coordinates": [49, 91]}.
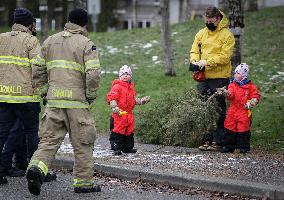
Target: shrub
{"type": "Point", "coordinates": [177, 120]}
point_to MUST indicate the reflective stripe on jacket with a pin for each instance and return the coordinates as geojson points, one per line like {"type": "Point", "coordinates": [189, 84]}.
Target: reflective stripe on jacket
{"type": "Point", "coordinates": [70, 65]}
{"type": "Point", "coordinates": [216, 48]}
{"type": "Point", "coordinates": [17, 51]}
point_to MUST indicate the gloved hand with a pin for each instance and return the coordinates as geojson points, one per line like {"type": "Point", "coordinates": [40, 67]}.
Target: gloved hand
{"type": "Point", "coordinates": [44, 101]}
{"type": "Point", "coordinates": [195, 67]}
{"type": "Point", "coordinates": [90, 100]}
{"type": "Point", "coordinates": [202, 63]}
{"type": "Point", "coordinates": [251, 103]}
{"type": "Point", "coordinates": [145, 100]}
{"type": "Point", "coordinates": [116, 109]}
{"type": "Point", "coordinates": [223, 91]}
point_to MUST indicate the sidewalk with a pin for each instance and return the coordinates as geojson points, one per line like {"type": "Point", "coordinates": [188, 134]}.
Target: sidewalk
{"type": "Point", "coordinates": [256, 174]}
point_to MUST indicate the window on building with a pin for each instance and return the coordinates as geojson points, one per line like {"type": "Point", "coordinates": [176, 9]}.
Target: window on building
{"type": "Point", "coordinates": [148, 24]}
{"type": "Point", "coordinates": [140, 24]}
{"type": "Point", "coordinates": [125, 24]}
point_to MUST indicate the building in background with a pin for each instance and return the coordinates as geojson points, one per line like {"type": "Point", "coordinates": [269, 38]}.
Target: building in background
{"type": "Point", "coordinates": [129, 13]}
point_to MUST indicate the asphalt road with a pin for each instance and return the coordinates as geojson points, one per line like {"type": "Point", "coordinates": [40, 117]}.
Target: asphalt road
{"type": "Point", "coordinates": [112, 188]}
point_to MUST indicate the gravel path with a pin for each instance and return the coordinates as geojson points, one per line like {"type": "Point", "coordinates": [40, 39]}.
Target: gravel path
{"type": "Point", "coordinates": [255, 166]}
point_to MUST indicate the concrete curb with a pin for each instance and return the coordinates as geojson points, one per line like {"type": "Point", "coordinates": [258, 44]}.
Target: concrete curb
{"type": "Point", "coordinates": [183, 180]}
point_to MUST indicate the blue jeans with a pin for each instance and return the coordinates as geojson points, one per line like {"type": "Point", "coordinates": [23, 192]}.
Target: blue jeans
{"type": "Point", "coordinates": [28, 115]}
{"type": "Point", "coordinates": [15, 146]}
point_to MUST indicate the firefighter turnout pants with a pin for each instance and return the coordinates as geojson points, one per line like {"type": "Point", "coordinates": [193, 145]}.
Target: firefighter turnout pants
{"type": "Point", "coordinates": [55, 123]}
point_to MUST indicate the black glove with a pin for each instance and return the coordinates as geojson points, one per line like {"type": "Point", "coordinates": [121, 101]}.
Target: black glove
{"type": "Point", "coordinates": [194, 68]}
{"type": "Point", "coordinates": [44, 101]}
{"type": "Point", "coordinates": [90, 100]}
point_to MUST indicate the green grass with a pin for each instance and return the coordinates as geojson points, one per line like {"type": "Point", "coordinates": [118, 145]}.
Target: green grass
{"type": "Point", "coordinates": [262, 49]}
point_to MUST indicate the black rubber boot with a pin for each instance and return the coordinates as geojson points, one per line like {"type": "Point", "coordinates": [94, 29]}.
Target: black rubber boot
{"type": "Point", "coordinates": [3, 180]}
{"type": "Point", "coordinates": [50, 176]}
{"type": "Point", "coordinates": [15, 172]}
{"type": "Point", "coordinates": [95, 188]}
{"type": "Point", "coordinates": [227, 150]}
{"type": "Point", "coordinates": [130, 151]}
{"type": "Point", "coordinates": [117, 152]}
{"type": "Point", "coordinates": [35, 179]}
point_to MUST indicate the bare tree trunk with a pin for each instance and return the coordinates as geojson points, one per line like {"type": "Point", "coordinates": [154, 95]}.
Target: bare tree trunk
{"type": "Point", "coordinates": [43, 9]}
{"type": "Point", "coordinates": [224, 6]}
{"type": "Point", "coordinates": [134, 11]}
{"type": "Point", "coordinates": [251, 5]}
{"type": "Point", "coordinates": [184, 11]}
{"type": "Point", "coordinates": [166, 40]}
{"type": "Point", "coordinates": [80, 4]}
{"type": "Point", "coordinates": [58, 10]}
{"type": "Point", "coordinates": [70, 6]}
{"type": "Point", "coordinates": [21, 3]}
{"type": "Point", "coordinates": [236, 24]}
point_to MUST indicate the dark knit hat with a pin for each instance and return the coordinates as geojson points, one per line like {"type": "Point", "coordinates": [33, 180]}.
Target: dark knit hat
{"type": "Point", "coordinates": [78, 16]}
{"type": "Point", "coordinates": [23, 16]}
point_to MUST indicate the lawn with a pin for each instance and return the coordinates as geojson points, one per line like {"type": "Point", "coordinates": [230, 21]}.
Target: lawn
{"type": "Point", "coordinates": [262, 49]}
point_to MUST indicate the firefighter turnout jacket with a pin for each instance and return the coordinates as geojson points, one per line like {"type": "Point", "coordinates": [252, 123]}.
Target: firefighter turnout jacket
{"type": "Point", "coordinates": [69, 66]}
{"type": "Point", "coordinates": [18, 49]}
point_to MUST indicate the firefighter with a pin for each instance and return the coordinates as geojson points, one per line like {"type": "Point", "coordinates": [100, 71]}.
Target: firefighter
{"type": "Point", "coordinates": [18, 100]}
{"type": "Point", "coordinates": [69, 64]}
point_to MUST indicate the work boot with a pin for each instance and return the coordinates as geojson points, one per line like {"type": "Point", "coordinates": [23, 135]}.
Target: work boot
{"type": "Point", "coordinates": [213, 147]}
{"type": "Point", "coordinates": [204, 146]}
{"type": "Point", "coordinates": [50, 176]}
{"type": "Point", "coordinates": [226, 150]}
{"type": "Point", "coordinates": [15, 172]}
{"type": "Point", "coordinates": [3, 180]}
{"type": "Point", "coordinates": [94, 188]}
{"type": "Point", "coordinates": [35, 179]}
{"type": "Point", "coordinates": [117, 152]}
{"type": "Point", "coordinates": [130, 151]}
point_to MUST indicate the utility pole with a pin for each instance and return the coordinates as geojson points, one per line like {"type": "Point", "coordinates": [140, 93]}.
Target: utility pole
{"type": "Point", "coordinates": [134, 11]}
{"type": "Point", "coordinates": [70, 6]}
{"type": "Point", "coordinates": [236, 20]}
{"type": "Point", "coordinates": [166, 39]}
{"type": "Point", "coordinates": [21, 3]}
{"type": "Point", "coordinates": [43, 8]}
{"type": "Point", "coordinates": [80, 4]}
{"type": "Point", "coordinates": [58, 10]}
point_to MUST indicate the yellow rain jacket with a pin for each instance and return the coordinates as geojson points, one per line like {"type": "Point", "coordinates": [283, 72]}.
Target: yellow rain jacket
{"type": "Point", "coordinates": [216, 48]}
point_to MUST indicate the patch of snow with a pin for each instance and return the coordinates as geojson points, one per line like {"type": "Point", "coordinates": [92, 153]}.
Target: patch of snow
{"type": "Point", "coordinates": [148, 45]}
{"type": "Point", "coordinates": [174, 33]}
{"type": "Point", "coordinates": [115, 72]}
{"type": "Point", "coordinates": [154, 58]}
{"type": "Point", "coordinates": [157, 62]}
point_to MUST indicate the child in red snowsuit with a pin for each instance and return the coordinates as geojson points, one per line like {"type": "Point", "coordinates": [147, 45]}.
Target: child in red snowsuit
{"type": "Point", "coordinates": [122, 101]}
{"type": "Point", "coordinates": [243, 96]}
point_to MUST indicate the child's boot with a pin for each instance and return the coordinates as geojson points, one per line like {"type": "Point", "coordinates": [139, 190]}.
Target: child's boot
{"type": "Point", "coordinates": [3, 180]}
{"type": "Point", "coordinates": [130, 151]}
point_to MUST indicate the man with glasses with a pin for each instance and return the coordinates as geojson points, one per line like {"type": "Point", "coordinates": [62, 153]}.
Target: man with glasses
{"type": "Point", "coordinates": [212, 49]}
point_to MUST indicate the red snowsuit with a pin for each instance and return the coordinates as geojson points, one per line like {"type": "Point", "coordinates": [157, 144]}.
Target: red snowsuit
{"type": "Point", "coordinates": [124, 94]}
{"type": "Point", "coordinates": [237, 117]}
